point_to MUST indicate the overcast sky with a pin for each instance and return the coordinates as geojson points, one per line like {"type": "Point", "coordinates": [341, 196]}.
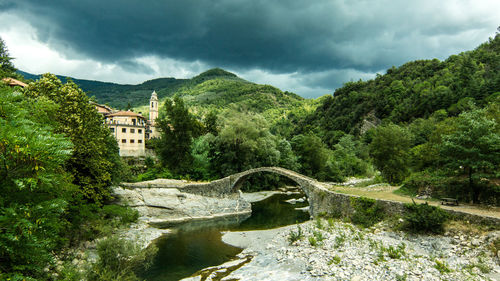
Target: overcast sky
{"type": "Point", "coordinates": [309, 47]}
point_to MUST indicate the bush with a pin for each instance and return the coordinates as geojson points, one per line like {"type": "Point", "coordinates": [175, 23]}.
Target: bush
{"type": "Point", "coordinates": [120, 259]}
{"type": "Point", "coordinates": [367, 212]}
{"type": "Point", "coordinates": [155, 173]}
{"type": "Point", "coordinates": [424, 218]}
{"type": "Point", "coordinates": [295, 236]}
{"type": "Point", "coordinates": [125, 215]}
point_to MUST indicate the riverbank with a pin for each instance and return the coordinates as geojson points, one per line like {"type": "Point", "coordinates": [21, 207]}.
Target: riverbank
{"type": "Point", "coordinates": [344, 252]}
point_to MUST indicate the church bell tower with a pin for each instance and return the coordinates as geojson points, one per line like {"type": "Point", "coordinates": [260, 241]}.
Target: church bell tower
{"type": "Point", "coordinates": [153, 108]}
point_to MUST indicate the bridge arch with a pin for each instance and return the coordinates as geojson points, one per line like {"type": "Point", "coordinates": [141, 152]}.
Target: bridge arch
{"type": "Point", "coordinates": [302, 181]}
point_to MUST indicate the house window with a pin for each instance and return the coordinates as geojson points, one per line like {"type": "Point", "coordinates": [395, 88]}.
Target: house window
{"type": "Point", "coordinates": [139, 141]}
{"type": "Point", "coordinates": [112, 130]}
{"type": "Point", "coordinates": [152, 105]}
{"type": "Point", "coordinates": [139, 131]}
{"type": "Point", "coordinates": [132, 131]}
{"type": "Point", "coordinates": [132, 141]}
{"type": "Point", "coordinates": [124, 130]}
{"type": "Point", "coordinates": [124, 141]}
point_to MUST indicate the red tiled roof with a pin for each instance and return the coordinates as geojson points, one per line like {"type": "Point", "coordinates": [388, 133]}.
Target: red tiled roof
{"type": "Point", "coordinates": [126, 113]}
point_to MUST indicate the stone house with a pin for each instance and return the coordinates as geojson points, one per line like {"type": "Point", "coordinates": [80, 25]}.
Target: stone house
{"type": "Point", "coordinates": [131, 129]}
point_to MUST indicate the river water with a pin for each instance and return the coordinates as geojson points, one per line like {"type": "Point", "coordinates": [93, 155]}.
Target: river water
{"type": "Point", "coordinates": [198, 245]}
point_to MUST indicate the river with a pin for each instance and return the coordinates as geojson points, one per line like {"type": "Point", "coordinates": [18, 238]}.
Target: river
{"type": "Point", "coordinates": [197, 245]}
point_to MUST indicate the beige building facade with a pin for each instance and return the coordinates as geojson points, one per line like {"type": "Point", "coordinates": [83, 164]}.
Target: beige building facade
{"type": "Point", "coordinates": [131, 129]}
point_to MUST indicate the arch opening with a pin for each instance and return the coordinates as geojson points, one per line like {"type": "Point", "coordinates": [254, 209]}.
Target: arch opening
{"type": "Point", "coordinates": [238, 179]}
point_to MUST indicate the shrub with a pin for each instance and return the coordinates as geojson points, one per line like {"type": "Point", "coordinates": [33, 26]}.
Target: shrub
{"type": "Point", "coordinates": [339, 240]}
{"type": "Point", "coordinates": [295, 236]}
{"type": "Point", "coordinates": [441, 266]}
{"type": "Point", "coordinates": [396, 253]}
{"type": "Point", "coordinates": [124, 214]}
{"type": "Point", "coordinates": [424, 218]}
{"type": "Point", "coordinates": [367, 212]}
{"type": "Point", "coordinates": [313, 241]}
{"type": "Point", "coordinates": [335, 260]}
{"type": "Point", "coordinates": [318, 235]}
{"type": "Point", "coordinates": [120, 259]}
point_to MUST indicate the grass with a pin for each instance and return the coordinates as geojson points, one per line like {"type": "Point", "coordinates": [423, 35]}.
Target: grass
{"type": "Point", "coordinates": [339, 240]}
{"type": "Point", "coordinates": [393, 193]}
{"type": "Point", "coordinates": [334, 260]}
{"type": "Point", "coordinates": [318, 235]}
{"type": "Point", "coordinates": [295, 236]}
{"type": "Point", "coordinates": [441, 266]}
{"type": "Point", "coordinates": [319, 223]}
{"type": "Point", "coordinates": [396, 253]}
{"type": "Point", "coordinates": [312, 241]}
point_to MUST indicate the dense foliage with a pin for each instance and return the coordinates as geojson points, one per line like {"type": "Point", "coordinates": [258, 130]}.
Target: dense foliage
{"type": "Point", "coordinates": [431, 124]}
{"type": "Point", "coordinates": [414, 90]}
{"type": "Point", "coordinates": [424, 218]}
{"type": "Point", "coordinates": [57, 160]}
{"type": "Point", "coordinates": [178, 127]}
{"type": "Point", "coordinates": [367, 212]}
{"type": "Point", "coordinates": [35, 188]}
{"type": "Point", "coordinates": [6, 66]}
{"type": "Point", "coordinates": [94, 161]}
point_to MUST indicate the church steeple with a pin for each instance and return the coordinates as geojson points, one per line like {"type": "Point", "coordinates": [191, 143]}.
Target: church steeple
{"type": "Point", "coordinates": [153, 108]}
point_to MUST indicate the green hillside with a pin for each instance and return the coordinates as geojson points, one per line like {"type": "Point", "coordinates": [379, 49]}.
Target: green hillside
{"type": "Point", "coordinates": [221, 91]}
{"type": "Point", "coordinates": [212, 90]}
{"type": "Point", "coordinates": [121, 95]}
{"type": "Point", "coordinates": [414, 90]}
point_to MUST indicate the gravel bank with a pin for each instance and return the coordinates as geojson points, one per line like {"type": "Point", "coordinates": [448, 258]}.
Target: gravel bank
{"type": "Point", "coordinates": [344, 252]}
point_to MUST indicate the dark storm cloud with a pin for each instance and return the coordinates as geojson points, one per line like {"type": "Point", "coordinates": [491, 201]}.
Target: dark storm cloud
{"type": "Point", "coordinates": [308, 37]}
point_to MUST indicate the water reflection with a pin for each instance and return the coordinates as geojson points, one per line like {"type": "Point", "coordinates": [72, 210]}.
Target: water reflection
{"type": "Point", "coordinates": [197, 245]}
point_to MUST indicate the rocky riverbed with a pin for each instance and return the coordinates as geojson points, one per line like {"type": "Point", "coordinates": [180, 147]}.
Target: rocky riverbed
{"type": "Point", "coordinates": [163, 207]}
{"type": "Point", "coordinates": [334, 250]}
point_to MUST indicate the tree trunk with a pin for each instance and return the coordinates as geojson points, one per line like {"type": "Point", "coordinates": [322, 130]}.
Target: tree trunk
{"type": "Point", "coordinates": [475, 191]}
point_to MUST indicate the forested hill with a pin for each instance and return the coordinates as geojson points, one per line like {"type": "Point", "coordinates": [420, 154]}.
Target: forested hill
{"type": "Point", "coordinates": [122, 95]}
{"type": "Point", "coordinates": [414, 90]}
{"type": "Point", "coordinates": [214, 89]}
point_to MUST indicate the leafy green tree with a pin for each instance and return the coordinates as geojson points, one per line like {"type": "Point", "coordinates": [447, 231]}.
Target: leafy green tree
{"type": "Point", "coordinates": [244, 142]}
{"type": "Point", "coordinates": [389, 149]}
{"type": "Point", "coordinates": [315, 158]}
{"type": "Point", "coordinates": [351, 157]}
{"type": "Point", "coordinates": [6, 66]}
{"type": "Point", "coordinates": [210, 123]}
{"type": "Point", "coordinates": [201, 161]}
{"type": "Point", "coordinates": [473, 147]}
{"type": "Point", "coordinates": [35, 187]}
{"type": "Point", "coordinates": [178, 128]}
{"type": "Point", "coordinates": [94, 161]}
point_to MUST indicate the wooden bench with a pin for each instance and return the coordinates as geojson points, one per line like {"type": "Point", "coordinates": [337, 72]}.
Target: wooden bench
{"type": "Point", "coordinates": [449, 201]}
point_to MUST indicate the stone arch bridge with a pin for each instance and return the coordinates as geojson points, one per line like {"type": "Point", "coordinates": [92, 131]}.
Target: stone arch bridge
{"type": "Point", "coordinates": [230, 186]}
{"type": "Point", "coordinates": [322, 201]}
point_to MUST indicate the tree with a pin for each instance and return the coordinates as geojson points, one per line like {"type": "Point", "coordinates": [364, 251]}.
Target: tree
{"type": "Point", "coordinates": [94, 161]}
{"type": "Point", "coordinates": [473, 147]}
{"type": "Point", "coordinates": [243, 143]}
{"type": "Point", "coordinates": [35, 187]}
{"type": "Point", "coordinates": [315, 158]}
{"type": "Point", "coordinates": [389, 149]}
{"type": "Point", "coordinates": [6, 66]}
{"type": "Point", "coordinates": [210, 123]}
{"type": "Point", "coordinates": [178, 128]}
{"type": "Point", "coordinates": [351, 157]}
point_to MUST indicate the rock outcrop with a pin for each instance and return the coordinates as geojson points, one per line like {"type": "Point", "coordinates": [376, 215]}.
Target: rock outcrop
{"type": "Point", "coordinates": [164, 207]}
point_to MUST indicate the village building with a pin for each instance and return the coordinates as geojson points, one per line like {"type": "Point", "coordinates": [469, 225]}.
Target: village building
{"type": "Point", "coordinates": [131, 129]}
{"type": "Point", "coordinates": [153, 114]}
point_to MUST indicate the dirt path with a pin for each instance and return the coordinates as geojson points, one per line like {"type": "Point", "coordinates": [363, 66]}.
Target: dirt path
{"type": "Point", "coordinates": [387, 193]}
